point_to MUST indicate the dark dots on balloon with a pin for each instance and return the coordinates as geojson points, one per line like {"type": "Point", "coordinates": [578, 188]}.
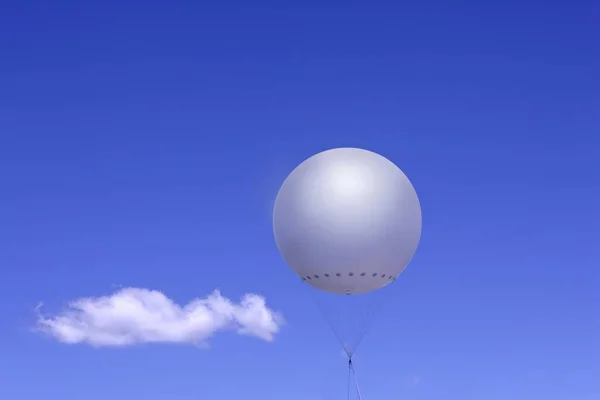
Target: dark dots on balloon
{"type": "Point", "coordinates": [351, 274]}
{"type": "Point", "coordinates": [338, 274]}
{"type": "Point", "coordinates": [363, 274]}
{"type": "Point", "coordinates": [374, 274]}
{"type": "Point", "coordinates": [326, 275]}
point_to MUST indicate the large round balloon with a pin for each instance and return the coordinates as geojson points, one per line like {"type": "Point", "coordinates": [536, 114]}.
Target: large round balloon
{"type": "Point", "coordinates": [347, 221]}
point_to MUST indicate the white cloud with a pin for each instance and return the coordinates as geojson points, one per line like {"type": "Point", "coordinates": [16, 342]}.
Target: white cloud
{"type": "Point", "coordinates": [134, 315]}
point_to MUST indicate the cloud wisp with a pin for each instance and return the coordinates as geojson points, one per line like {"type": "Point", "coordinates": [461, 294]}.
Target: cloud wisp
{"type": "Point", "coordinates": [133, 316]}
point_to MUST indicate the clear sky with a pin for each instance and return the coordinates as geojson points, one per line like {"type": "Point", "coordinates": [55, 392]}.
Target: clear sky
{"type": "Point", "coordinates": [142, 145]}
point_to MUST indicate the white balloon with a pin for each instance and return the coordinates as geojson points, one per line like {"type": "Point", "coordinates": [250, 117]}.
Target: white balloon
{"type": "Point", "coordinates": [347, 221]}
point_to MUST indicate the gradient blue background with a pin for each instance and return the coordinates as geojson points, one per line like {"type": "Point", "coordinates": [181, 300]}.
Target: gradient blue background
{"type": "Point", "coordinates": [142, 144]}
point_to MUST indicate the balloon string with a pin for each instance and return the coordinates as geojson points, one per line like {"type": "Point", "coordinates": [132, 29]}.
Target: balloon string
{"type": "Point", "coordinates": [348, 351]}
{"type": "Point", "coordinates": [368, 321]}
{"type": "Point", "coordinates": [351, 369]}
{"type": "Point", "coordinates": [350, 348]}
{"type": "Point", "coordinates": [349, 379]}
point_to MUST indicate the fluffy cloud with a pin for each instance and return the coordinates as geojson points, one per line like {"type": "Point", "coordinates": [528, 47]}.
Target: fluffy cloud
{"type": "Point", "coordinates": [133, 315]}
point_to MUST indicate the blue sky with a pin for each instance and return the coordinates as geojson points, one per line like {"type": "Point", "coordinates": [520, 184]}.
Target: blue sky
{"type": "Point", "coordinates": [142, 145]}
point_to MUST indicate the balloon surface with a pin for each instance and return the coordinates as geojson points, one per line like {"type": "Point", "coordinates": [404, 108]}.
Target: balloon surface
{"type": "Point", "coordinates": [347, 221]}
